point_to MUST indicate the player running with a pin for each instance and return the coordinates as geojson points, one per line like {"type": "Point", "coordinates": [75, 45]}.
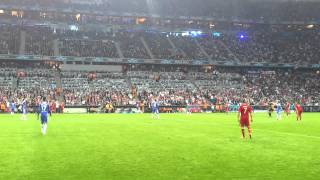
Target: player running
{"type": "Point", "coordinates": [243, 118]}
{"type": "Point", "coordinates": [44, 110]}
{"type": "Point", "coordinates": [155, 109]}
{"type": "Point", "coordinates": [298, 110]}
{"type": "Point", "coordinates": [278, 110]}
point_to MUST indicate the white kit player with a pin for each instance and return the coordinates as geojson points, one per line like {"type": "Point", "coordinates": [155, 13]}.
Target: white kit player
{"type": "Point", "coordinates": [278, 110]}
{"type": "Point", "coordinates": [24, 109]}
{"type": "Point", "coordinates": [155, 109]}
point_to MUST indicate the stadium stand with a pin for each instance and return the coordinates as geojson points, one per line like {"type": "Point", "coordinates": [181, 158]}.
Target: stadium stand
{"type": "Point", "coordinates": [84, 88]}
{"type": "Point", "coordinates": [39, 40]}
{"type": "Point", "coordinates": [220, 86]}
{"type": "Point", "coordinates": [9, 39]}
{"type": "Point", "coordinates": [296, 46]}
{"type": "Point", "coordinates": [124, 39]}
{"type": "Point", "coordinates": [81, 46]}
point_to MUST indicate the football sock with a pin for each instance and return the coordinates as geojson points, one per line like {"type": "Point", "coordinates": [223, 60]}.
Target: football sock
{"type": "Point", "coordinates": [44, 128]}
{"type": "Point", "coordinates": [249, 131]}
{"type": "Point", "coordinates": [242, 131]}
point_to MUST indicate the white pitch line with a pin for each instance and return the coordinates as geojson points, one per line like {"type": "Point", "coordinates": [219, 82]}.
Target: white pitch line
{"type": "Point", "coordinates": [287, 133]}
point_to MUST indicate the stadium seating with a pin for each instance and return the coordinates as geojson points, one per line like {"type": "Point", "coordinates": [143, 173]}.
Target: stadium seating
{"type": "Point", "coordinates": [132, 46]}
{"type": "Point", "coordinates": [277, 44]}
{"type": "Point", "coordinates": [298, 47]}
{"type": "Point", "coordinates": [39, 41]}
{"type": "Point", "coordinates": [171, 87]}
{"type": "Point", "coordinates": [160, 46]}
{"type": "Point", "coordinates": [88, 48]}
{"type": "Point", "coordinates": [9, 40]}
{"type": "Point", "coordinates": [80, 89]}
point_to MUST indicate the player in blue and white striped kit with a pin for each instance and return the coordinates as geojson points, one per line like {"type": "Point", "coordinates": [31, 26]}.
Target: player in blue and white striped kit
{"type": "Point", "coordinates": [44, 110]}
{"type": "Point", "coordinates": [155, 109]}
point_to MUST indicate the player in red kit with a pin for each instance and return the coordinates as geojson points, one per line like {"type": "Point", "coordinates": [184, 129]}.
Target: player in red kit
{"type": "Point", "coordinates": [298, 110]}
{"type": "Point", "coordinates": [243, 118]}
{"type": "Point", "coordinates": [287, 108]}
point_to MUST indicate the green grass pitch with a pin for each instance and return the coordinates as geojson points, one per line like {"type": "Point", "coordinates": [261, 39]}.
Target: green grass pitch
{"type": "Point", "coordinates": [178, 146]}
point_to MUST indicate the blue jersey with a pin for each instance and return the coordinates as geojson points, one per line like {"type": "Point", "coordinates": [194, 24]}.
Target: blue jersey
{"type": "Point", "coordinates": [13, 106]}
{"type": "Point", "coordinates": [155, 107]}
{"type": "Point", "coordinates": [44, 109]}
{"type": "Point", "coordinates": [278, 108]}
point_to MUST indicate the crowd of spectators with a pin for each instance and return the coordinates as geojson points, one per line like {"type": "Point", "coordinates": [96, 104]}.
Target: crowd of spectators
{"type": "Point", "coordinates": [278, 45]}
{"type": "Point", "coordinates": [189, 47]}
{"type": "Point", "coordinates": [9, 39]}
{"type": "Point", "coordinates": [301, 47]}
{"type": "Point", "coordinates": [178, 88]}
{"type": "Point", "coordinates": [224, 86]}
{"type": "Point", "coordinates": [160, 46]}
{"type": "Point", "coordinates": [132, 46]}
{"type": "Point", "coordinates": [7, 75]}
{"type": "Point", "coordinates": [35, 78]}
{"type": "Point", "coordinates": [275, 47]}
{"type": "Point", "coordinates": [216, 50]}
{"type": "Point", "coordinates": [28, 81]}
{"type": "Point", "coordinates": [88, 48]}
{"type": "Point", "coordinates": [86, 44]}
{"type": "Point", "coordinates": [251, 48]}
{"type": "Point", "coordinates": [39, 41]}
{"type": "Point", "coordinates": [96, 89]}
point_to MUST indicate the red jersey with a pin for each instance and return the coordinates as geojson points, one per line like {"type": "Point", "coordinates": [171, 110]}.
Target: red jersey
{"type": "Point", "coordinates": [298, 107]}
{"type": "Point", "coordinates": [288, 106]}
{"type": "Point", "coordinates": [245, 109]}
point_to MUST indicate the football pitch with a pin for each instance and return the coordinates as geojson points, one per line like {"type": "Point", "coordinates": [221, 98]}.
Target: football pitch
{"type": "Point", "coordinates": [178, 146]}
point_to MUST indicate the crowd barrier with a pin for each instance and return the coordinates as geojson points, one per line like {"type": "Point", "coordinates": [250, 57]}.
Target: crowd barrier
{"type": "Point", "coordinates": [171, 109]}
{"type": "Point", "coordinates": [162, 109]}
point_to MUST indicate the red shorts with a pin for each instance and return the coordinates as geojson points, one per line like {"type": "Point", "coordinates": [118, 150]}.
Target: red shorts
{"type": "Point", "coordinates": [299, 113]}
{"type": "Point", "coordinates": [244, 123]}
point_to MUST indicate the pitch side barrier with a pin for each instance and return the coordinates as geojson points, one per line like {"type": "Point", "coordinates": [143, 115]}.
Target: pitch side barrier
{"type": "Point", "coordinates": [170, 109]}
{"type": "Point", "coordinates": [163, 109]}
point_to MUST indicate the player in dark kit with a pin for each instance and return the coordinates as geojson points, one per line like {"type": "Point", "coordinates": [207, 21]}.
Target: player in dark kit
{"type": "Point", "coordinates": [270, 109]}
{"type": "Point", "coordinates": [44, 110]}
{"type": "Point", "coordinates": [298, 110]}
{"type": "Point", "coordinates": [243, 118]}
